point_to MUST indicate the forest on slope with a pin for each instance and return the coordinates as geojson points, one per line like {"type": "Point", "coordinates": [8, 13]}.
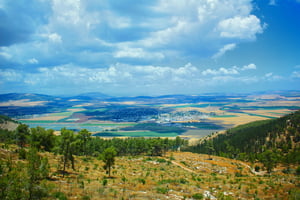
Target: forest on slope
{"type": "Point", "coordinates": [268, 141]}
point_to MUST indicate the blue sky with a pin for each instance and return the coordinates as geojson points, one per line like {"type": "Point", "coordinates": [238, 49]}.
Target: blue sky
{"type": "Point", "coordinates": [129, 48]}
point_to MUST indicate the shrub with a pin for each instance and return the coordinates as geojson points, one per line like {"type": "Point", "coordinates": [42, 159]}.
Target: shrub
{"type": "Point", "coordinates": [197, 196]}
{"type": "Point", "coordinates": [162, 190]}
{"type": "Point", "coordinates": [161, 160]}
{"type": "Point", "coordinates": [59, 196]}
{"type": "Point", "coordinates": [257, 168]}
{"type": "Point", "coordinates": [85, 197]}
{"type": "Point", "coordinates": [298, 171]}
{"type": "Point", "coordinates": [22, 154]}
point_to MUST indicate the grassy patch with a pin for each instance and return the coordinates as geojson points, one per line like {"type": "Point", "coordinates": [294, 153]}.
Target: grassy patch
{"type": "Point", "coordinates": [135, 134]}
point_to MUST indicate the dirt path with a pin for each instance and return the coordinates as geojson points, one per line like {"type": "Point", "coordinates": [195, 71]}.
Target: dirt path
{"type": "Point", "coordinates": [183, 167]}
{"type": "Point", "coordinates": [252, 170]}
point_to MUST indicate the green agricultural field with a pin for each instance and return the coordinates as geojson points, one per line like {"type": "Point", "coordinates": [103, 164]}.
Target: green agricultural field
{"type": "Point", "coordinates": [109, 124]}
{"type": "Point", "coordinates": [135, 134]}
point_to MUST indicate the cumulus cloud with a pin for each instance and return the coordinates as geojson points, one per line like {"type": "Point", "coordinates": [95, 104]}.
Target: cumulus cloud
{"type": "Point", "coordinates": [130, 79]}
{"type": "Point", "coordinates": [77, 43]}
{"type": "Point", "coordinates": [240, 27]}
{"type": "Point", "coordinates": [228, 71]}
{"type": "Point", "coordinates": [113, 30]}
{"type": "Point", "coordinates": [248, 67]}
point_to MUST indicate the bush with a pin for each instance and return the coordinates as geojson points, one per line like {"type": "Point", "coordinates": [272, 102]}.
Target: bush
{"type": "Point", "coordinates": [59, 196]}
{"type": "Point", "coordinates": [298, 171]}
{"type": "Point", "coordinates": [161, 160]}
{"type": "Point", "coordinates": [257, 168]}
{"type": "Point", "coordinates": [162, 190]}
{"type": "Point", "coordinates": [22, 154]}
{"type": "Point", "coordinates": [85, 197]}
{"type": "Point", "coordinates": [197, 196]}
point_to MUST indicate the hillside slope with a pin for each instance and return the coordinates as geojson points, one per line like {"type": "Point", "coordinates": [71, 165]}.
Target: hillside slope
{"type": "Point", "coordinates": [277, 137]}
{"type": "Point", "coordinates": [7, 123]}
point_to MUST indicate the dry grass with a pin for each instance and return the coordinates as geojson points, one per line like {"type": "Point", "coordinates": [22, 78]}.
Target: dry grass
{"type": "Point", "coordinates": [178, 175]}
{"type": "Point", "coordinates": [186, 174]}
{"type": "Point", "coordinates": [23, 103]}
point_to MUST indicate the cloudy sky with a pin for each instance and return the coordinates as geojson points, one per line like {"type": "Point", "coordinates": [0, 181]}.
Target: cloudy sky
{"type": "Point", "coordinates": [142, 47]}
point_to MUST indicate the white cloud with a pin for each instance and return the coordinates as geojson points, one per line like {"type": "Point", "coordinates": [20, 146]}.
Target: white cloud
{"type": "Point", "coordinates": [248, 67]}
{"type": "Point", "coordinates": [5, 55]}
{"type": "Point", "coordinates": [125, 79]}
{"type": "Point", "coordinates": [127, 52]}
{"type": "Point", "coordinates": [54, 37]}
{"type": "Point", "coordinates": [296, 74]}
{"type": "Point", "coordinates": [221, 71]}
{"type": "Point", "coordinates": [10, 75]}
{"type": "Point", "coordinates": [148, 30]}
{"type": "Point", "coordinates": [224, 49]}
{"type": "Point", "coordinates": [272, 77]}
{"type": "Point", "coordinates": [240, 27]}
{"type": "Point", "coordinates": [33, 61]}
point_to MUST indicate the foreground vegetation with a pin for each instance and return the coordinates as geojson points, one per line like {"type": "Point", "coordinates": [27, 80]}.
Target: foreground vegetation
{"type": "Point", "coordinates": [35, 164]}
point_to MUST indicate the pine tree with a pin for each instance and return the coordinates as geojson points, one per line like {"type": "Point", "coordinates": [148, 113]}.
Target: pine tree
{"type": "Point", "coordinates": [108, 157]}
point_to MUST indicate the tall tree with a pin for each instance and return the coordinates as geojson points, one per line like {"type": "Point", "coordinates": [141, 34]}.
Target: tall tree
{"type": "Point", "coordinates": [22, 134]}
{"type": "Point", "coordinates": [67, 147]}
{"type": "Point", "coordinates": [84, 137]}
{"type": "Point", "coordinates": [108, 157]}
{"type": "Point", "coordinates": [37, 169]}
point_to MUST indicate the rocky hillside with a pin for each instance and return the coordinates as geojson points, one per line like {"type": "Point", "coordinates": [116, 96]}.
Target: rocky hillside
{"type": "Point", "coordinates": [7, 123]}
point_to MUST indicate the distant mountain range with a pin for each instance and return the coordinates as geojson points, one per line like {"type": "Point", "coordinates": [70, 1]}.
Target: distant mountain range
{"type": "Point", "coordinates": [163, 98]}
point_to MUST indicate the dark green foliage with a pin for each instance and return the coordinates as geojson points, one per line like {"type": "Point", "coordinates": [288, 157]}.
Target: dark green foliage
{"type": "Point", "coordinates": [85, 197]}
{"type": "Point", "coordinates": [257, 140]}
{"type": "Point", "coordinates": [162, 190]}
{"type": "Point", "coordinates": [269, 159]}
{"type": "Point", "coordinates": [257, 168]}
{"type": "Point", "coordinates": [7, 136]}
{"type": "Point", "coordinates": [42, 138]}
{"type": "Point", "coordinates": [298, 170]}
{"type": "Point", "coordinates": [4, 119]}
{"type": "Point", "coordinates": [59, 196]}
{"type": "Point", "coordinates": [198, 196]}
{"type": "Point", "coordinates": [84, 137]}
{"type": "Point", "coordinates": [294, 194]}
{"type": "Point", "coordinates": [108, 157]}
{"type": "Point", "coordinates": [155, 127]}
{"type": "Point", "coordinates": [24, 180]}
{"type": "Point", "coordinates": [67, 147]}
{"type": "Point", "coordinates": [22, 133]}
{"type": "Point", "coordinates": [22, 154]}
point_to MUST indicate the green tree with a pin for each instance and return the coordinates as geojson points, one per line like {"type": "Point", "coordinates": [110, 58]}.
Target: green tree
{"type": "Point", "coordinates": [108, 157]}
{"type": "Point", "coordinates": [67, 147]}
{"type": "Point", "coordinates": [37, 169]}
{"type": "Point", "coordinates": [22, 133]}
{"type": "Point", "coordinates": [269, 160]}
{"type": "Point", "coordinates": [42, 138]}
{"type": "Point", "coordinates": [84, 137]}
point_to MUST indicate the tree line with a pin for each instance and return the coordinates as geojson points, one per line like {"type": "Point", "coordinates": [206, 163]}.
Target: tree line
{"type": "Point", "coordinates": [68, 143]}
{"type": "Point", "coordinates": [27, 179]}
